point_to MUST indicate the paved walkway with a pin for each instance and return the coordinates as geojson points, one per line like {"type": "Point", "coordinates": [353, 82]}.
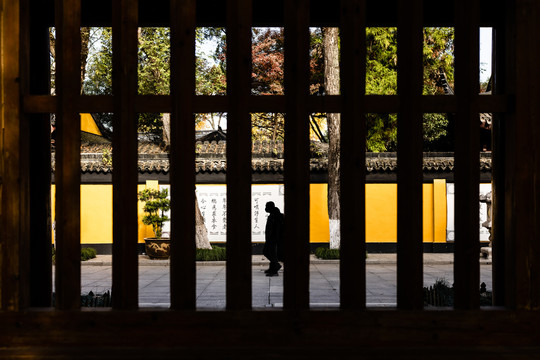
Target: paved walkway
{"type": "Point", "coordinates": [154, 287]}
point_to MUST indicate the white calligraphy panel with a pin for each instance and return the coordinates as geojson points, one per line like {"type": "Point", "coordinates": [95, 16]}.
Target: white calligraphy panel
{"type": "Point", "coordinates": [212, 201]}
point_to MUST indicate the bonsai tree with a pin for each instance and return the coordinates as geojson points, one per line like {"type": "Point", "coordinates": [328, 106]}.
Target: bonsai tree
{"type": "Point", "coordinates": [155, 206]}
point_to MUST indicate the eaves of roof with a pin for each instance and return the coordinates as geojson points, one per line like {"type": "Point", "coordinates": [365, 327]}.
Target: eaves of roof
{"type": "Point", "coordinates": [267, 158]}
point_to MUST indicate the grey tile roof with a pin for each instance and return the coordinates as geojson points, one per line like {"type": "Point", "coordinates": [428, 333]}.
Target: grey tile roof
{"type": "Point", "coordinates": [267, 157]}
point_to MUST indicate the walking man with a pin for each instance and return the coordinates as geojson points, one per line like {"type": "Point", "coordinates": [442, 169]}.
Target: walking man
{"type": "Point", "coordinates": [274, 236]}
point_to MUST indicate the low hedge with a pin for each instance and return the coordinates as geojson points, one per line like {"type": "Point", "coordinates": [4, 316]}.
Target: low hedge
{"type": "Point", "coordinates": [326, 254]}
{"type": "Point", "coordinates": [88, 253]}
{"type": "Point", "coordinates": [217, 253]}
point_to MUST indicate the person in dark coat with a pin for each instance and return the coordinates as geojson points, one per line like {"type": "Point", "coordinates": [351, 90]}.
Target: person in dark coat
{"type": "Point", "coordinates": [274, 236]}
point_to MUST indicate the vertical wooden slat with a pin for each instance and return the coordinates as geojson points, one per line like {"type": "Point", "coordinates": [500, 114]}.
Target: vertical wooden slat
{"type": "Point", "coordinates": [467, 160]}
{"type": "Point", "coordinates": [125, 173]}
{"type": "Point", "coordinates": [238, 274]}
{"type": "Point", "coordinates": [409, 158]}
{"type": "Point", "coordinates": [14, 236]}
{"type": "Point", "coordinates": [523, 149]}
{"type": "Point", "coordinates": [296, 281]}
{"type": "Point", "coordinates": [182, 173]}
{"type": "Point", "coordinates": [68, 148]}
{"type": "Point", "coordinates": [497, 168]}
{"type": "Point", "coordinates": [353, 155]}
{"type": "Point", "coordinates": [37, 55]}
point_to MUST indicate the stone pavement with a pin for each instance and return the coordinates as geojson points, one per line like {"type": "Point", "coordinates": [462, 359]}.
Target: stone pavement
{"type": "Point", "coordinates": [154, 287]}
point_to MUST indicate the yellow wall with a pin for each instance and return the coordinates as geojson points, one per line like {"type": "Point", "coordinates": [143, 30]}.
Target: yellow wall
{"type": "Point", "coordinates": [96, 213]}
{"type": "Point", "coordinates": [89, 125]}
{"type": "Point", "coordinates": [319, 228]}
{"type": "Point", "coordinates": [381, 213]}
{"type": "Point", "coordinates": [97, 217]}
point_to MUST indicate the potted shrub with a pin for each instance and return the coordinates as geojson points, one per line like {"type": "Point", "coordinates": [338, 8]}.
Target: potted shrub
{"type": "Point", "coordinates": [156, 204]}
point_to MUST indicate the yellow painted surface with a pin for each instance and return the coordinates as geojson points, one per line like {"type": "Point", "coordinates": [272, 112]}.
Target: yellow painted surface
{"type": "Point", "coordinates": [318, 209]}
{"type": "Point", "coordinates": [439, 211]}
{"type": "Point", "coordinates": [96, 213]}
{"type": "Point", "coordinates": [427, 210]}
{"type": "Point", "coordinates": [89, 125]}
{"type": "Point", "coordinates": [381, 213]}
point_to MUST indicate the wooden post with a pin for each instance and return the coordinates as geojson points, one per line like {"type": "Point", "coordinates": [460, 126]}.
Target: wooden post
{"type": "Point", "coordinates": [125, 172]}
{"type": "Point", "coordinates": [409, 156]}
{"type": "Point", "coordinates": [353, 156]}
{"type": "Point", "coordinates": [68, 149]}
{"type": "Point", "coordinates": [523, 165]}
{"type": "Point", "coordinates": [467, 157]}
{"type": "Point", "coordinates": [182, 159]}
{"type": "Point", "coordinates": [296, 272]}
{"type": "Point", "coordinates": [14, 188]}
{"type": "Point", "coordinates": [238, 285]}
{"type": "Point", "coordinates": [37, 81]}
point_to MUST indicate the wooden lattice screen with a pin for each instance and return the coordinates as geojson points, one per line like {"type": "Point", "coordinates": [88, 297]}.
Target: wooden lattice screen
{"type": "Point", "coordinates": [30, 326]}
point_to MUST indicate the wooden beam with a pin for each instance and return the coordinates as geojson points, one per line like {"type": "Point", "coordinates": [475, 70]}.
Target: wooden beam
{"type": "Point", "coordinates": [296, 272]}
{"type": "Point", "coordinates": [238, 272]}
{"type": "Point", "coordinates": [409, 157]}
{"type": "Point", "coordinates": [353, 156]}
{"type": "Point", "coordinates": [125, 217]}
{"type": "Point", "coordinates": [182, 171]}
{"type": "Point", "coordinates": [467, 158]}
{"type": "Point", "coordinates": [267, 103]}
{"type": "Point", "coordinates": [381, 334]}
{"type": "Point", "coordinates": [68, 148]}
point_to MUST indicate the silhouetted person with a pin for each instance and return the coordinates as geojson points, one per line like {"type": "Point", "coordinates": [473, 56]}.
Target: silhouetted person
{"type": "Point", "coordinates": [273, 247]}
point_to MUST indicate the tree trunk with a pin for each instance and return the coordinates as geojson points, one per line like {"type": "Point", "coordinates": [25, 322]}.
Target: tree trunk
{"type": "Point", "coordinates": [166, 129]}
{"type": "Point", "coordinates": [85, 40]}
{"type": "Point", "coordinates": [331, 84]}
{"type": "Point", "coordinates": [201, 234]}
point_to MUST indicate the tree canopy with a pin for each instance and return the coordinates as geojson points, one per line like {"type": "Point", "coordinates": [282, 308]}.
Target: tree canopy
{"type": "Point", "coordinates": [268, 74]}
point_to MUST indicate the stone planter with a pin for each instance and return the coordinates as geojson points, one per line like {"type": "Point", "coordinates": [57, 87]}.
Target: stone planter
{"type": "Point", "coordinates": [158, 248]}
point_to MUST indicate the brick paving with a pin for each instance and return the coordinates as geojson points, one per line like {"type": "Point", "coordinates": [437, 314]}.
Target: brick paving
{"type": "Point", "coordinates": [154, 287]}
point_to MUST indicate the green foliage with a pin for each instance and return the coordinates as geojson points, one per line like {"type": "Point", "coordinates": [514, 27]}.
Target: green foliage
{"type": "Point", "coordinates": [217, 253]}
{"type": "Point", "coordinates": [92, 300]}
{"type": "Point", "coordinates": [381, 62]}
{"type": "Point", "coordinates": [326, 253]}
{"type": "Point", "coordinates": [98, 79]}
{"type": "Point", "coordinates": [435, 129]}
{"type": "Point", "coordinates": [268, 57]}
{"type": "Point", "coordinates": [442, 294]}
{"type": "Point", "coordinates": [154, 60]}
{"type": "Point", "coordinates": [88, 253]}
{"type": "Point", "coordinates": [106, 157]}
{"type": "Point", "coordinates": [438, 54]}
{"type": "Point", "coordinates": [381, 132]}
{"type": "Point", "coordinates": [156, 204]}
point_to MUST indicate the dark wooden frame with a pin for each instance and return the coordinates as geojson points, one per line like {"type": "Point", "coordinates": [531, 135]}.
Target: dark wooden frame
{"type": "Point", "coordinates": [511, 330]}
